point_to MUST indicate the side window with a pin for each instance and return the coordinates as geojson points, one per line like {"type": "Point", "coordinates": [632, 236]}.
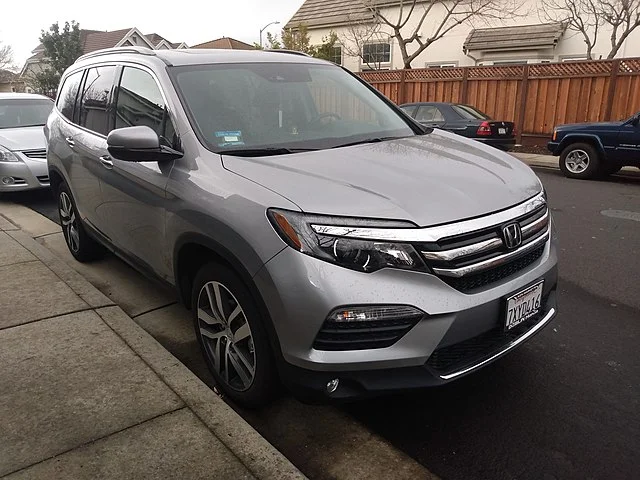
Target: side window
{"type": "Point", "coordinates": [409, 110]}
{"type": "Point", "coordinates": [429, 113]}
{"type": "Point", "coordinates": [94, 101]}
{"type": "Point", "coordinates": [140, 102]}
{"type": "Point", "coordinates": [68, 93]}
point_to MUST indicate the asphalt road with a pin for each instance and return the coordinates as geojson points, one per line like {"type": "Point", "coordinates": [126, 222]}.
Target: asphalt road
{"type": "Point", "coordinates": [565, 405]}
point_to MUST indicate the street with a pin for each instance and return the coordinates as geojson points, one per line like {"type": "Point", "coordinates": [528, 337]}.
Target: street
{"type": "Point", "coordinates": [565, 405]}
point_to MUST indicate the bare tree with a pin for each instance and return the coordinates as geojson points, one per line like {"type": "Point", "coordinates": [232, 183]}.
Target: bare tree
{"type": "Point", "coordinates": [623, 16]}
{"type": "Point", "coordinates": [580, 16]}
{"type": "Point", "coordinates": [417, 24]}
{"type": "Point", "coordinates": [6, 57]}
{"type": "Point", "coordinates": [359, 32]}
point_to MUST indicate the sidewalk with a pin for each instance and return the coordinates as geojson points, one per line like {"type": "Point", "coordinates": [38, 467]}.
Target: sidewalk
{"type": "Point", "coordinates": [549, 161]}
{"type": "Point", "coordinates": [86, 393]}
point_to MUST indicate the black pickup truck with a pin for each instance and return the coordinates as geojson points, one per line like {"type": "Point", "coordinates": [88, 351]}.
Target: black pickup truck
{"type": "Point", "coordinates": [592, 150]}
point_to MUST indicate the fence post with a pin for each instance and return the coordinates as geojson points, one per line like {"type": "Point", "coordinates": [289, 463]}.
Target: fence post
{"type": "Point", "coordinates": [401, 92]}
{"type": "Point", "coordinates": [523, 102]}
{"type": "Point", "coordinates": [465, 82]}
{"type": "Point", "coordinates": [613, 80]}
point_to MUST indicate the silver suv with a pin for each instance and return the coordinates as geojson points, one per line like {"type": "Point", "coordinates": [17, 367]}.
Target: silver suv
{"type": "Point", "coordinates": [321, 238]}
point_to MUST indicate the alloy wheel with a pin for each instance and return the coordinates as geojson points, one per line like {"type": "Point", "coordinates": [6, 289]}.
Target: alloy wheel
{"type": "Point", "coordinates": [226, 336]}
{"type": "Point", "coordinates": [577, 161]}
{"type": "Point", "coordinates": [69, 222]}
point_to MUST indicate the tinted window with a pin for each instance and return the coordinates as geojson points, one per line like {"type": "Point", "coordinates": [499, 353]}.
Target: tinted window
{"type": "Point", "coordinates": [15, 113]}
{"type": "Point", "coordinates": [429, 113]}
{"type": "Point", "coordinates": [95, 98]}
{"type": "Point", "coordinates": [68, 93]}
{"type": "Point", "coordinates": [469, 113]}
{"type": "Point", "coordinates": [409, 109]}
{"type": "Point", "coordinates": [140, 102]}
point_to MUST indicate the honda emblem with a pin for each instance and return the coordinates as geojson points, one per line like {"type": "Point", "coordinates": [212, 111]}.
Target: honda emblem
{"type": "Point", "coordinates": [512, 235]}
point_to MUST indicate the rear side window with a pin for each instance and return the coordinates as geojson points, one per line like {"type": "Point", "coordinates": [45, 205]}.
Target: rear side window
{"type": "Point", "coordinates": [409, 109]}
{"type": "Point", "coordinates": [94, 101]}
{"type": "Point", "coordinates": [140, 102]}
{"type": "Point", "coordinates": [68, 94]}
{"type": "Point", "coordinates": [429, 113]}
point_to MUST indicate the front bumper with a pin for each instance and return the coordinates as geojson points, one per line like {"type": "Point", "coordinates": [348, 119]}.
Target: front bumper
{"type": "Point", "coordinates": [300, 291]}
{"type": "Point", "coordinates": [554, 148]}
{"type": "Point", "coordinates": [27, 174]}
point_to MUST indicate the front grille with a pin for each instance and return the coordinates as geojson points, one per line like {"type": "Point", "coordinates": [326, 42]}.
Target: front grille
{"type": "Point", "coordinates": [37, 153]}
{"type": "Point", "coordinates": [479, 280]}
{"type": "Point", "coordinates": [460, 355]}
{"type": "Point", "coordinates": [362, 335]}
{"type": "Point", "coordinates": [469, 261]}
{"type": "Point", "coordinates": [43, 178]}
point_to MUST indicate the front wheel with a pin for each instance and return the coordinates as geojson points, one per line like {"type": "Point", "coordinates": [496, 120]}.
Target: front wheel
{"type": "Point", "coordinates": [232, 336]}
{"type": "Point", "coordinates": [580, 160]}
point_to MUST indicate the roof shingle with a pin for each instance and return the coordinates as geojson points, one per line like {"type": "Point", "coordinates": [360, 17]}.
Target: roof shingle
{"type": "Point", "coordinates": [226, 43]}
{"type": "Point", "coordinates": [521, 37]}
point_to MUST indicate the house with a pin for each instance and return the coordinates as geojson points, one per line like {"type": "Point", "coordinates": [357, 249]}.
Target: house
{"type": "Point", "coordinates": [10, 82]}
{"type": "Point", "coordinates": [226, 43]}
{"type": "Point", "coordinates": [366, 44]}
{"type": "Point", "coordinates": [92, 40]}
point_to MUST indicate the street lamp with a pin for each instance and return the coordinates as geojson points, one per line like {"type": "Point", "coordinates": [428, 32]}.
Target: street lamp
{"type": "Point", "coordinates": [265, 27]}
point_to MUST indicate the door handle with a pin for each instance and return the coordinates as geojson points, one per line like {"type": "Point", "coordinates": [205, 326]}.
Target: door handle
{"type": "Point", "coordinates": [106, 161]}
{"type": "Point", "coordinates": [70, 142]}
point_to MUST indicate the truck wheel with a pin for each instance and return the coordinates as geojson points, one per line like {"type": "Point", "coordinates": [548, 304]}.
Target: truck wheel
{"type": "Point", "coordinates": [580, 160]}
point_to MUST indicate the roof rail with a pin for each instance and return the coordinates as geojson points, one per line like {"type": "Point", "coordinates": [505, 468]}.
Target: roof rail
{"type": "Point", "coordinates": [290, 52]}
{"type": "Point", "coordinates": [109, 51]}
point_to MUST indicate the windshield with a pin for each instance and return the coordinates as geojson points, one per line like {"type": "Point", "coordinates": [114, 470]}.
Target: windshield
{"type": "Point", "coordinates": [283, 106]}
{"type": "Point", "coordinates": [16, 113]}
{"type": "Point", "coordinates": [469, 113]}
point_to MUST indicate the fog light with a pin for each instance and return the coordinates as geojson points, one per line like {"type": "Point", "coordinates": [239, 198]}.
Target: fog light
{"type": "Point", "coordinates": [8, 180]}
{"type": "Point", "coordinates": [332, 385]}
{"type": "Point", "coordinates": [375, 313]}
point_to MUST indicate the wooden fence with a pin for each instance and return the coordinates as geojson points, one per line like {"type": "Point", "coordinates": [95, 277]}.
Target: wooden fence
{"type": "Point", "coordinates": [535, 96]}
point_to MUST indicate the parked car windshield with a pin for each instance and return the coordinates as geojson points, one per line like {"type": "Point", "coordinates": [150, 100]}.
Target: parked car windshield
{"type": "Point", "coordinates": [288, 106]}
{"type": "Point", "coordinates": [16, 113]}
{"type": "Point", "coordinates": [469, 113]}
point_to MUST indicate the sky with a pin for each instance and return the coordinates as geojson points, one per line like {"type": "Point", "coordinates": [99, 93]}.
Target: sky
{"type": "Point", "coordinates": [189, 21]}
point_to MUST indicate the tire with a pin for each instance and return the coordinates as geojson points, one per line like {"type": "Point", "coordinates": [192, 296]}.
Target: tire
{"type": "Point", "coordinates": [234, 343]}
{"type": "Point", "coordinates": [582, 161]}
{"type": "Point", "coordinates": [80, 244]}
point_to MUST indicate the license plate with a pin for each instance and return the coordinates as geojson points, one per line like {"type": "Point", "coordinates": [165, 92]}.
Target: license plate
{"type": "Point", "coordinates": [502, 131]}
{"type": "Point", "coordinates": [523, 305]}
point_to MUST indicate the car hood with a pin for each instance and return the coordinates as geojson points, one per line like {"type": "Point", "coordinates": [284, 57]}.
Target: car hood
{"type": "Point", "coordinates": [590, 125]}
{"type": "Point", "coordinates": [23, 138]}
{"type": "Point", "coordinates": [431, 179]}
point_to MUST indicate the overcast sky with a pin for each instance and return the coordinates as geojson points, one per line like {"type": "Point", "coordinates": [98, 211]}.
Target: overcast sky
{"type": "Point", "coordinates": [190, 21]}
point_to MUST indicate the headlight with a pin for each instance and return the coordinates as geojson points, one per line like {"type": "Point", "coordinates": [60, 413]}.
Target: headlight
{"type": "Point", "coordinates": [7, 155]}
{"type": "Point", "coordinates": [362, 255]}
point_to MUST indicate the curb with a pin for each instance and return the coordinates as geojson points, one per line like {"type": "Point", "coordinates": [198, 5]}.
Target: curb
{"type": "Point", "coordinates": [261, 458]}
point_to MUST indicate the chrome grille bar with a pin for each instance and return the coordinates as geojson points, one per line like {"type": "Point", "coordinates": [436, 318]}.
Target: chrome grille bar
{"type": "Point", "coordinates": [492, 262]}
{"type": "Point", "coordinates": [432, 234]}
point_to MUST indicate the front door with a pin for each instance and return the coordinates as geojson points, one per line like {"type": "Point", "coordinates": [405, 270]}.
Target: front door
{"type": "Point", "coordinates": [134, 200]}
{"type": "Point", "coordinates": [629, 143]}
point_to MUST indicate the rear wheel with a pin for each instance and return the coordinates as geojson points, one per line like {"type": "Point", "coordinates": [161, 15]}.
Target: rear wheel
{"type": "Point", "coordinates": [82, 246]}
{"type": "Point", "coordinates": [581, 160]}
{"type": "Point", "coordinates": [232, 336]}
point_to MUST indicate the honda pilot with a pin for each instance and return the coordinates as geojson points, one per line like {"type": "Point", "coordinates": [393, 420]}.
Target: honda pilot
{"type": "Point", "coordinates": [322, 239]}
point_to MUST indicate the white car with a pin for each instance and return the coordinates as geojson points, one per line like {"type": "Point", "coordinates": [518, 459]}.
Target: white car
{"type": "Point", "coordinates": [23, 148]}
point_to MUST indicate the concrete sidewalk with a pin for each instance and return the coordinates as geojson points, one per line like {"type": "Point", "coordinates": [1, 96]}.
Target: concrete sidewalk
{"type": "Point", "coordinates": [87, 393]}
{"type": "Point", "coordinates": [549, 161]}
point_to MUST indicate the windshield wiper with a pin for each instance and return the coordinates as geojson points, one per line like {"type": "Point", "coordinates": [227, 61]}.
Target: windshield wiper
{"type": "Point", "coordinates": [264, 152]}
{"type": "Point", "coordinates": [368, 140]}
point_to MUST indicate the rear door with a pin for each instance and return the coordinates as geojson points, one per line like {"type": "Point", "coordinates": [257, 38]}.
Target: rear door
{"type": "Point", "coordinates": [134, 192]}
{"type": "Point", "coordinates": [430, 116]}
{"type": "Point", "coordinates": [90, 141]}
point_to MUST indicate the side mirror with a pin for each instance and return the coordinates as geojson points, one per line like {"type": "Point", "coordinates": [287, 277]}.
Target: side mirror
{"type": "Point", "coordinates": [138, 144]}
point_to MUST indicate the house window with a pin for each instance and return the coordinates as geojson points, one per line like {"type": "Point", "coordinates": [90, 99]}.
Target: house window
{"type": "Point", "coordinates": [336, 55]}
{"type": "Point", "coordinates": [442, 65]}
{"type": "Point", "coordinates": [375, 53]}
{"type": "Point", "coordinates": [510, 62]}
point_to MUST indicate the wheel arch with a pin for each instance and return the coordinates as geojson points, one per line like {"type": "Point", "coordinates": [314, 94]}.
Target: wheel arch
{"type": "Point", "coordinates": [191, 251]}
{"type": "Point", "coordinates": [592, 140]}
